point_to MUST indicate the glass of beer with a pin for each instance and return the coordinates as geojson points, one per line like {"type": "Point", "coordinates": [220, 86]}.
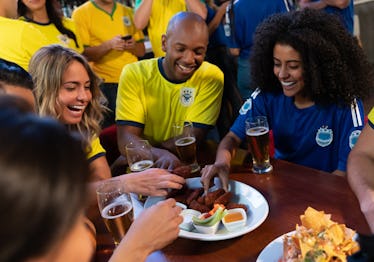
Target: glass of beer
{"type": "Point", "coordinates": [115, 207]}
{"type": "Point", "coordinates": [185, 143]}
{"type": "Point", "coordinates": [139, 155]}
{"type": "Point", "coordinates": [257, 131]}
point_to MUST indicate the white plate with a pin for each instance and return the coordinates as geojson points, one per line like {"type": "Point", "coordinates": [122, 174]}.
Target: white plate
{"type": "Point", "coordinates": [274, 250]}
{"type": "Point", "coordinates": [258, 210]}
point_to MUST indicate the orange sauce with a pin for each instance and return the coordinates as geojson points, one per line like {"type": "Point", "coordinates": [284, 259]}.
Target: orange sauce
{"type": "Point", "coordinates": [232, 217]}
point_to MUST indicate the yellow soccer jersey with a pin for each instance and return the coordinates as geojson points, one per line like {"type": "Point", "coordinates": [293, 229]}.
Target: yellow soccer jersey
{"type": "Point", "coordinates": [19, 41]}
{"type": "Point", "coordinates": [148, 100]}
{"type": "Point", "coordinates": [95, 26]}
{"type": "Point", "coordinates": [371, 117]}
{"type": "Point", "coordinates": [158, 23]}
{"type": "Point", "coordinates": [96, 150]}
{"type": "Point", "coordinates": [56, 37]}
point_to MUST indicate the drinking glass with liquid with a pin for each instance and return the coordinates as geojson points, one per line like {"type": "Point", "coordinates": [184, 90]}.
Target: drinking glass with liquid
{"type": "Point", "coordinates": [257, 132]}
{"type": "Point", "coordinates": [185, 144]}
{"type": "Point", "coordinates": [115, 207]}
{"type": "Point", "coordinates": [139, 155]}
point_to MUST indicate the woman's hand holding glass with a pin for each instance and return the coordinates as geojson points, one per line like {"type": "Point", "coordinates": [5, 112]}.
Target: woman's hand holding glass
{"type": "Point", "coordinates": [154, 229]}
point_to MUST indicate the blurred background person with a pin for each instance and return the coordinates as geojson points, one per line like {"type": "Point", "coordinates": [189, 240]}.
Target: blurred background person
{"type": "Point", "coordinates": [155, 93]}
{"type": "Point", "coordinates": [311, 74]}
{"type": "Point", "coordinates": [217, 53]}
{"type": "Point", "coordinates": [16, 81]}
{"type": "Point", "coordinates": [241, 19]}
{"type": "Point", "coordinates": [154, 16]}
{"type": "Point", "coordinates": [47, 17]}
{"type": "Point", "coordinates": [43, 195]}
{"type": "Point", "coordinates": [344, 9]}
{"type": "Point", "coordinates": [18, 40]}
{"type": "Point", "coordinates": [109, 44]}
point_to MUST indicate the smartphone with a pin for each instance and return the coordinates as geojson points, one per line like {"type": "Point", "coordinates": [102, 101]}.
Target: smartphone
{"type": "Point", "coordinates": [126, 37]}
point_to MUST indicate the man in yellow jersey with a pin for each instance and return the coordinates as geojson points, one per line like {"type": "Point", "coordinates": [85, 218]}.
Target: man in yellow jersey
{"type": "Point", "coordinates": [155, 15]}
{"type": "Point", "coordinates": [110, 41]}
{"type": "Point", "coordinates": [155, 93]}
{"type": "Point", "coordinates": [360, 170]}
{"type": "Point", "coordinates": [18, 40]}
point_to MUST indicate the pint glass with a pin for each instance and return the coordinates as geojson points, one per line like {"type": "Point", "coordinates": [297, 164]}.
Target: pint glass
{"type": "Point", "coordinates": [115, 207]}
{"type": "Point", "coordinates": [139, 155]}
{"type": "Point", "coordinates": [257, 131]}
{"type": "Point", "coordinates": [185, 143]}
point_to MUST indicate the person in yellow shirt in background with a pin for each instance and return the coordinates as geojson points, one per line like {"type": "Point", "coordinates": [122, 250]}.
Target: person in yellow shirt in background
{"type": "Point", "coordinates": [47, 18]}
{"type": "Point", "coordinates": [110, 41]}
{"type": "Point", "coordinates": [18, 40]}
{"type": "Point", "coordinates": [155, 93]}
{"type": "Point", "coordinates": [156, 14]}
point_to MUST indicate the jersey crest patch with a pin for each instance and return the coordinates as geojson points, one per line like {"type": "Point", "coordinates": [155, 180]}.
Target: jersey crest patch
{"type": "Point", "coordinates": [126, 20]}
{"type": "Point", "coordinates": [324, 136]}
{"type": "Point", "coordinates": [187, 96]}
{"type": "Point", "coordinates": [246, 106]}
{"type": "Point", "coordinates": [64, 40]}
{"type": "Point", "coordinates": [353, 138]}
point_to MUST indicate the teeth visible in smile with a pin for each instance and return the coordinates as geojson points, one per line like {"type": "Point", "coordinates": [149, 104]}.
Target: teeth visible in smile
{"type": "Point", "coordinates": [186, 68]}
{"type": "Point", "coordinates": [287, 83]}
{"type": "Point", "coordinates": [77, 107]}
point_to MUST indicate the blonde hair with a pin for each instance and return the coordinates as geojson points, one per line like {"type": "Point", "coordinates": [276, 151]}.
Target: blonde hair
{"type": "Point", "coordinates": [47, 67]}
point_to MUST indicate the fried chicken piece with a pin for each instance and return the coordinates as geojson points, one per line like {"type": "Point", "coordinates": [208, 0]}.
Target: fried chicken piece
{"type": "Point", "coordinates": [199, 207]}
{"type": "Point", "coordinates": [194, 195]}
{"type": "Point", "coordinates": [224, 199]}
{"type": "Point", "coordinates": [210, 197]}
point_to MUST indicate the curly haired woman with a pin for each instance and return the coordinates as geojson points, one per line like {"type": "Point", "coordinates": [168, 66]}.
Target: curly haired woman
{"type": "Point", "coordinates": [310, 75]}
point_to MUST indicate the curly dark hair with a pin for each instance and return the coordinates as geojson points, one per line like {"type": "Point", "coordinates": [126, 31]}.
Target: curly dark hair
{"type": "Point", "coordinates": [336, 69]}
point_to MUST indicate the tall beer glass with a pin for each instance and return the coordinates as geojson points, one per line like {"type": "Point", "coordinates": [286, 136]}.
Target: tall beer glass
{"type": "Point", "coordinates": [115, 207]}
{"type": "Point", "coordinates": [185, 144]}
{"type": "Point", "coordinates": [139, 155]}
{"type": "Point", "coordinates": [257, 130]}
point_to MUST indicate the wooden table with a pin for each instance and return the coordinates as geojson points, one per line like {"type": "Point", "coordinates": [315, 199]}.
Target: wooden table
{"type": "Point", "coordinates": [289, 190]}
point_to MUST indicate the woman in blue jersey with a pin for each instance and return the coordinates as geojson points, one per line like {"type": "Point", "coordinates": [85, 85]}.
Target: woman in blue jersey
{"type": "Point", "coordinates": [310, 73]}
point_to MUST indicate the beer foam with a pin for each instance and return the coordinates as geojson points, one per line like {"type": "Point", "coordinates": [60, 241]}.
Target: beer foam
{"type": "Point", "coordinates": [181, 141]}
{"type": "Point", "coordinates": [105, 212]}
{"type": "Point", "coordinates": [257, 131]}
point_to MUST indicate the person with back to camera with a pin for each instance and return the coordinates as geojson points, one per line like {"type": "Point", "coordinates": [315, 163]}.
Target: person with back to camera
{"type": "Point", "coordinates": [67, 89]}
{"type": "Point", "coordinates": [310, 74]}
{"type": "Point", "coordinates": [43, 195]}
{"type": "Point", "coordinates": [47, 17]}
{"type": "Point", "coordinates": [155, 93]}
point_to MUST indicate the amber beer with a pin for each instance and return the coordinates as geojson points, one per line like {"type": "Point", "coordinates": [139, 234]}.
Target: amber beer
{"type": "Point", "coordinates": [258, 140]}
{"type": "Point", "coordinates": [141, 165]}
{"type": "Point", "coordinates": [118, 217]}
{"type": "Point", "coordinates": [186, 148]}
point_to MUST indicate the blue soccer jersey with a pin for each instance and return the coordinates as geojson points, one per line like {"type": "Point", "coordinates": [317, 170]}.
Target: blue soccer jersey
{"type": "Point", "coordinates": [317, 137]}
